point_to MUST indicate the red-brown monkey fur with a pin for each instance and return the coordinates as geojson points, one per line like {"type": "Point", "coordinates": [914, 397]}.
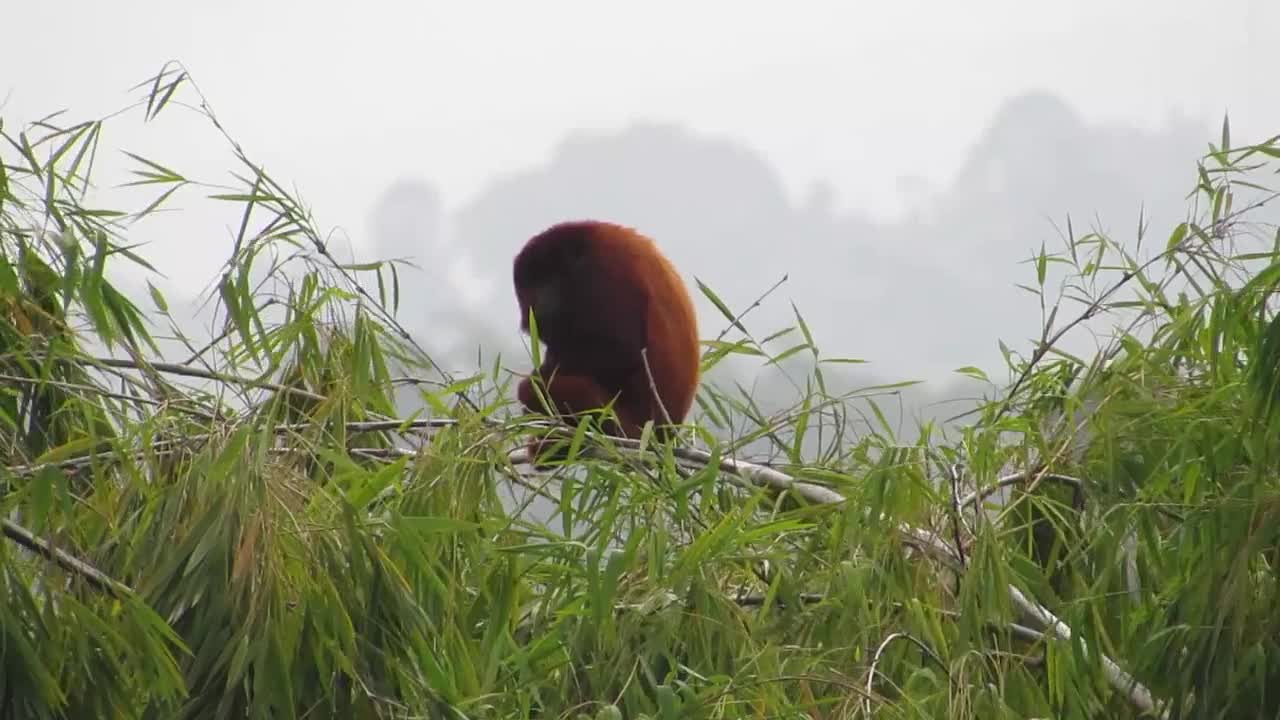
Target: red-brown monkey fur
{"type": "Point", "coordinates": [601, 293]}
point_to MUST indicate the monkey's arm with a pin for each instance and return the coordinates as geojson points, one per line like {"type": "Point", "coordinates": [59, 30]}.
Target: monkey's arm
{"type": "Point", "coordinates": [568, 394]}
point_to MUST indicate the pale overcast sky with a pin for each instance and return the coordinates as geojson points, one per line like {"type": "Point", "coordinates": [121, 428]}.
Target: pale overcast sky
{"type": "Point", "coordinates": [344, 98]}
{"type": "Point", "coordinates": [463, 91]}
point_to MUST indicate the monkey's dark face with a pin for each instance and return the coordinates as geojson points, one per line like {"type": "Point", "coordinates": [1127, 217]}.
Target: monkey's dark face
{"type": "Point", "coordinates": [547, 271]}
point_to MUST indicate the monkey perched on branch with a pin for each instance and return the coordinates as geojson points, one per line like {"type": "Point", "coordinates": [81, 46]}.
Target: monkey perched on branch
{"type": "Point", "coordinates": [618, 325]}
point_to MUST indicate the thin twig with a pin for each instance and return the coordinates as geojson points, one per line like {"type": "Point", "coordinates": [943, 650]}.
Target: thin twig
{"type": "Point", "coordinates": [979, 496]}
{"type": "Point", "coordinates": [163, 447]}
{"type": "Point", "coordinates": [100, 392]}
{"type": "Point", "coordinates": [181, 370]}
{"type": "Point", "coordinates": [736, 320]}
{"type": "Point", "coordinates": [757, 600]}
{"type": "Point", "coordinates": [875, 661]}
{"type": "Point", "coordinates": [66, 561]}
{"type": "Point", "coordinates": [653, 386]}
{"type": "Point", "coordinates": [957, 522]}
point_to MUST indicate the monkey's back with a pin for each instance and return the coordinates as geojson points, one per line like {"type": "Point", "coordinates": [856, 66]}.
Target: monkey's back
{"type": "Point", "coordinates": [670, 320]}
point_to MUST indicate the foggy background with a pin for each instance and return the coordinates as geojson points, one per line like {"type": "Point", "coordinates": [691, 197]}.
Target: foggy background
{"type": "Point", "coordinates": [897, 162]}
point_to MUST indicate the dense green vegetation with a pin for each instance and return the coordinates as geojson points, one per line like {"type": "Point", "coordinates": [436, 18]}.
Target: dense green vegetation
{"type": "Point", "coordinates": [255, 526]}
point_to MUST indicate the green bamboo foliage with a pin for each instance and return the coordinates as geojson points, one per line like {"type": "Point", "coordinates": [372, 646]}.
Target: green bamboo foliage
{"type": "Point", "coordinates": [302, 516]}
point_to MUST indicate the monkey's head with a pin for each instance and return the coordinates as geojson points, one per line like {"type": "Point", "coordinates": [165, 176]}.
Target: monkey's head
{"type": "Point", "coordinates": [547, 271]}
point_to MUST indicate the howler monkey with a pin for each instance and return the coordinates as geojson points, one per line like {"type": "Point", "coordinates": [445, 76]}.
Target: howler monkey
{"type": "Point", "coordinates": [606, 302]}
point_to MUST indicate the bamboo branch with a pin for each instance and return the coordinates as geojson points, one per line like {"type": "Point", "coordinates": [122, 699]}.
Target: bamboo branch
{"type": "Point", "coordinates": [65, 560]}
{"type": "Point", "coordinates": [927, 542]}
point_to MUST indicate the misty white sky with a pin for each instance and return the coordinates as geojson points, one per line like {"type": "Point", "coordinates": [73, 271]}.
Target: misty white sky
{"type": "Point", "coordinates": [343, 98]}
{"type": "Point", "coordinates": [463, 91]}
